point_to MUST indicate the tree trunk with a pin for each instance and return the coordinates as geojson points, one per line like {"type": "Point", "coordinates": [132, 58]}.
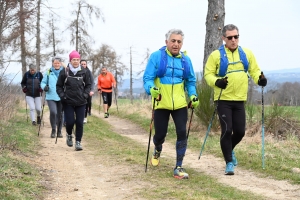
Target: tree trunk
{"type": "Point", "coordinates": [77, 27]}
{"type": "Point", "coordinates": [131, 95]}
{"type": "Point", "coordinates": [38, 37]}
{"type": "Point", "coordinates": [22, 36]}
{"type": "Point", "coordinates": [214, 24]}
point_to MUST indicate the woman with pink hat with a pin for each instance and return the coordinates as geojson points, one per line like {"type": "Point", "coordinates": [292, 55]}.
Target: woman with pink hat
{"type": "Point", "coordinates": [73, 87]}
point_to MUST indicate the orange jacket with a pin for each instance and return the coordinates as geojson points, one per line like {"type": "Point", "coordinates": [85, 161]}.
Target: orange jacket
{"type": "Point", "coordinates": [106, 82]}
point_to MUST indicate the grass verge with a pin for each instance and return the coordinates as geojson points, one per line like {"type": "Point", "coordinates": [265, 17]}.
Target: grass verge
{"type": "Point", "coordinates": [18, 179]}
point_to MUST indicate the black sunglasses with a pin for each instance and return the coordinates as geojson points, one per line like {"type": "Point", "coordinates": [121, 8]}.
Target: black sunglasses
{"type": "Point", "coordinates": [235, 37]}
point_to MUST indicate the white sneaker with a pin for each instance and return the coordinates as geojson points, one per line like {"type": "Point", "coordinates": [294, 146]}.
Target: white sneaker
{"type": "Point", "coordinates": [85, 120]}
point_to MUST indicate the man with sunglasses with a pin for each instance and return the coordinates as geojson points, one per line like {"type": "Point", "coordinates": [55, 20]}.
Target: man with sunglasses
{"type": "Point", "coordinates": [226, 71]}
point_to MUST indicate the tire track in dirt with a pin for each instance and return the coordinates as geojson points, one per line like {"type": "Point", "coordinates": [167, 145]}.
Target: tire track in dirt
{"type": "Point", "coordinates": [242, 180]}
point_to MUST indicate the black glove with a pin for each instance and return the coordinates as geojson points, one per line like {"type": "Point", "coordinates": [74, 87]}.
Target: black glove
{"type": "Point", "coordinates": [24, 89]}
{"type": "Point", "coordinates": [46, 88]}
{"type": "Point", "coordinates": [262, 81]}
{"type": "Point", "coordinates": [222, 83]}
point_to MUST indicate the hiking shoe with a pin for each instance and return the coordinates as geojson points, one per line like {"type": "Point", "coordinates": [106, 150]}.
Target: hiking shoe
{"type": "Point", "coordinates": [53, 133]}
{"type": "Point", "coordinates": [234, 160]}
{"type": "Point", "coordinates": [38, 120]}
{"type": "Point", "coordinates": [69, 140]}
{"type": "Point", "coordinates": [106, 115]}
{"type": "Point", "coordinates": [59, 135]}
{"type": "Point", "coordinates": [78, 146]}
{"type": "Point", "coordinates": [229, 169]}
{"type": "Point", "coordinates": [34, 123]}
{"type": "Point", "coordinates": [180, 173]}
{"type": "Point", "coordinates": [154, 159]}
{"type": "Point", "coordinates": [85, 120]}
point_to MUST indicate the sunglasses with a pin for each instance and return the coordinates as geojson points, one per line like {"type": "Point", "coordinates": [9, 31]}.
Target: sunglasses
{"type": "Point", "coordinates": [235, 37]}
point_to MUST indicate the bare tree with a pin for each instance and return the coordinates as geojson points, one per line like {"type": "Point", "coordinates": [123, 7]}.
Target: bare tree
{"type": "Point", "coordinates": [78, 26]}
{"type": "Point", "coordinates": [106, 56]}
{"type": "Point", "coordinates": [8, 19]}
{"type": "Point", "coordinates": [38, 35]}
{"type": "Point", "coordinates": [214, 24]}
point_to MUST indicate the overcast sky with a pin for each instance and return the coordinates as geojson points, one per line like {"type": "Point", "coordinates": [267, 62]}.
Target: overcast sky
{"type": "Point", "coordinates": [270, 28]}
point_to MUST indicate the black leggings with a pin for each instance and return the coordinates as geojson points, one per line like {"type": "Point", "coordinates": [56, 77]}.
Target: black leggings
{"type": "Point", "coordinates": [107, 98]}
{"type": "Point", "coordinates": [233, 122]}
{"type": "Point", "coordinates": [161, 121]}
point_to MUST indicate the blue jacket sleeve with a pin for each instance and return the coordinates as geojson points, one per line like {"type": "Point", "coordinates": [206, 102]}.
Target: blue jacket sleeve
{"type": "Point", "coordinates": [190, 82]}
{"type": "Point", "coordinates": [44, 80]}
{"type": "Point", "coordinates": [150, 71]}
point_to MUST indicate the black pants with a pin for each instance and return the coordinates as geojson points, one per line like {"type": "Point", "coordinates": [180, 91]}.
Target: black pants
{"type": "Point", "coordinates": [233, 122]}
{"type": "Point", "coordinates": [88, 106]}
{"type": "Point", "coordinates": [161, 121]}
{"type": "Point", "coordinates": [74, 115]}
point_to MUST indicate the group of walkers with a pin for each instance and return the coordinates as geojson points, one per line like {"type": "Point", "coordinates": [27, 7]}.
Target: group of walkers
{"type": "Point", "coordinates": [169, 74]}
{"type": "Point", "coordinates": [68, 91]}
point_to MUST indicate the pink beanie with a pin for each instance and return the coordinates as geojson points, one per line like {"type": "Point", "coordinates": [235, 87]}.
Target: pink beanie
{"type": "Point", "coordinates": [74, 54]}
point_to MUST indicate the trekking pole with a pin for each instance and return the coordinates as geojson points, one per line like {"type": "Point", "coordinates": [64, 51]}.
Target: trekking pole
{"type": "Point", "coordinates": [116, 99]}
{"type": "Point", "coordinates": [210, 123]}
{"type": "Point", "coordinates": [152, 118]}
{"type": "Point", "coordinates": [262, 127]}
{"type": "Point", "coordinates": [26, 108]}
{"type": "Point", "coordinates": [42, 114]}
{"type": "Point", "coordinates": [190, 106]}
{"type": "Point", "coordinates": [60, 123]}
{"type": "Point", "coordinates": [100, 101]}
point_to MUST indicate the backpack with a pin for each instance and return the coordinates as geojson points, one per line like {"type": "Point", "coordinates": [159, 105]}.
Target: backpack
{"type": "Point", "coordinates": [224, 61]}
{"type": "Point", "coordinates": [163, 64]}
{"type": "Point", "coordinates": [67, 76]}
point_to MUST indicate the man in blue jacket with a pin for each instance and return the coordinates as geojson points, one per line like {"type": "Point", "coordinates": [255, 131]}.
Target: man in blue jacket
{"type": "Point", "coordinates": [168, 74]}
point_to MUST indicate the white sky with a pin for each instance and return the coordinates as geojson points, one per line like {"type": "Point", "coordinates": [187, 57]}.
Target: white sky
{"type": "Point", "coordinates": [270, 28]}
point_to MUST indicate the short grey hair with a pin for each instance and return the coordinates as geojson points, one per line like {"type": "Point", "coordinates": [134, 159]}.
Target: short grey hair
{"type": "Point", "coordinates": [56, 58]}
{"type": "Point", "coordinates": [174, 31]}
{"type": "Point", "coordinates": [32, 66]}
{"type": "Point", "coordinates": [229, 27]}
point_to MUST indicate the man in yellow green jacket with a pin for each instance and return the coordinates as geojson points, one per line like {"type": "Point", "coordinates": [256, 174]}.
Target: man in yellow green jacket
{"type": "Point", "coordinates": [168, 74]}
{"type": "Point", "coordinates": [226, 71]}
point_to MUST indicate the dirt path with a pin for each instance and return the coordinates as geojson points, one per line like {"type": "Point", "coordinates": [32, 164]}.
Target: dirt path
{"type": "Point", "coordinates": [79, 175]}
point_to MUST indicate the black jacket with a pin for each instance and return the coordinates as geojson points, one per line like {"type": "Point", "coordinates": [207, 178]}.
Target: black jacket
{"type": "Point", "coordinates": [73, 89]}
{"type": "Point", "coordinates": [32, 83]}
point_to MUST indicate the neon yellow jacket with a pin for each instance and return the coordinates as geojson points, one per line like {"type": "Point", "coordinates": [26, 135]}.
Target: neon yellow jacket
{"type": "Point", "coordinates": [237, 87]}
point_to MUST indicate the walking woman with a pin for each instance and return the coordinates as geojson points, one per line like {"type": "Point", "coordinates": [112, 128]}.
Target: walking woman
{"type": "Point", "coordinates": [49, 86]}
{"type": "Point", "coordinates": [73, 87]}
{"type": "Point", "coordinates": [31, 87]}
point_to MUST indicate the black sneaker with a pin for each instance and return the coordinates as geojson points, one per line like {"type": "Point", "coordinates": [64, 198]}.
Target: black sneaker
{"type": "Point", "coordinates": [78, 146]}
{"type": "Point", "coordinates": [38, 120]}
{"type": "Point", "coordinates": [69, 140]}
{"type": "Point", "coordinates": [53, 133]}
{"type": "Point", "coordinates": [34, 123]}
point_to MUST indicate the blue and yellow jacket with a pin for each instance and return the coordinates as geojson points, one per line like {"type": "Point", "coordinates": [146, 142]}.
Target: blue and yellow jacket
{"type": "Point", "coordinates": [172, 85]}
